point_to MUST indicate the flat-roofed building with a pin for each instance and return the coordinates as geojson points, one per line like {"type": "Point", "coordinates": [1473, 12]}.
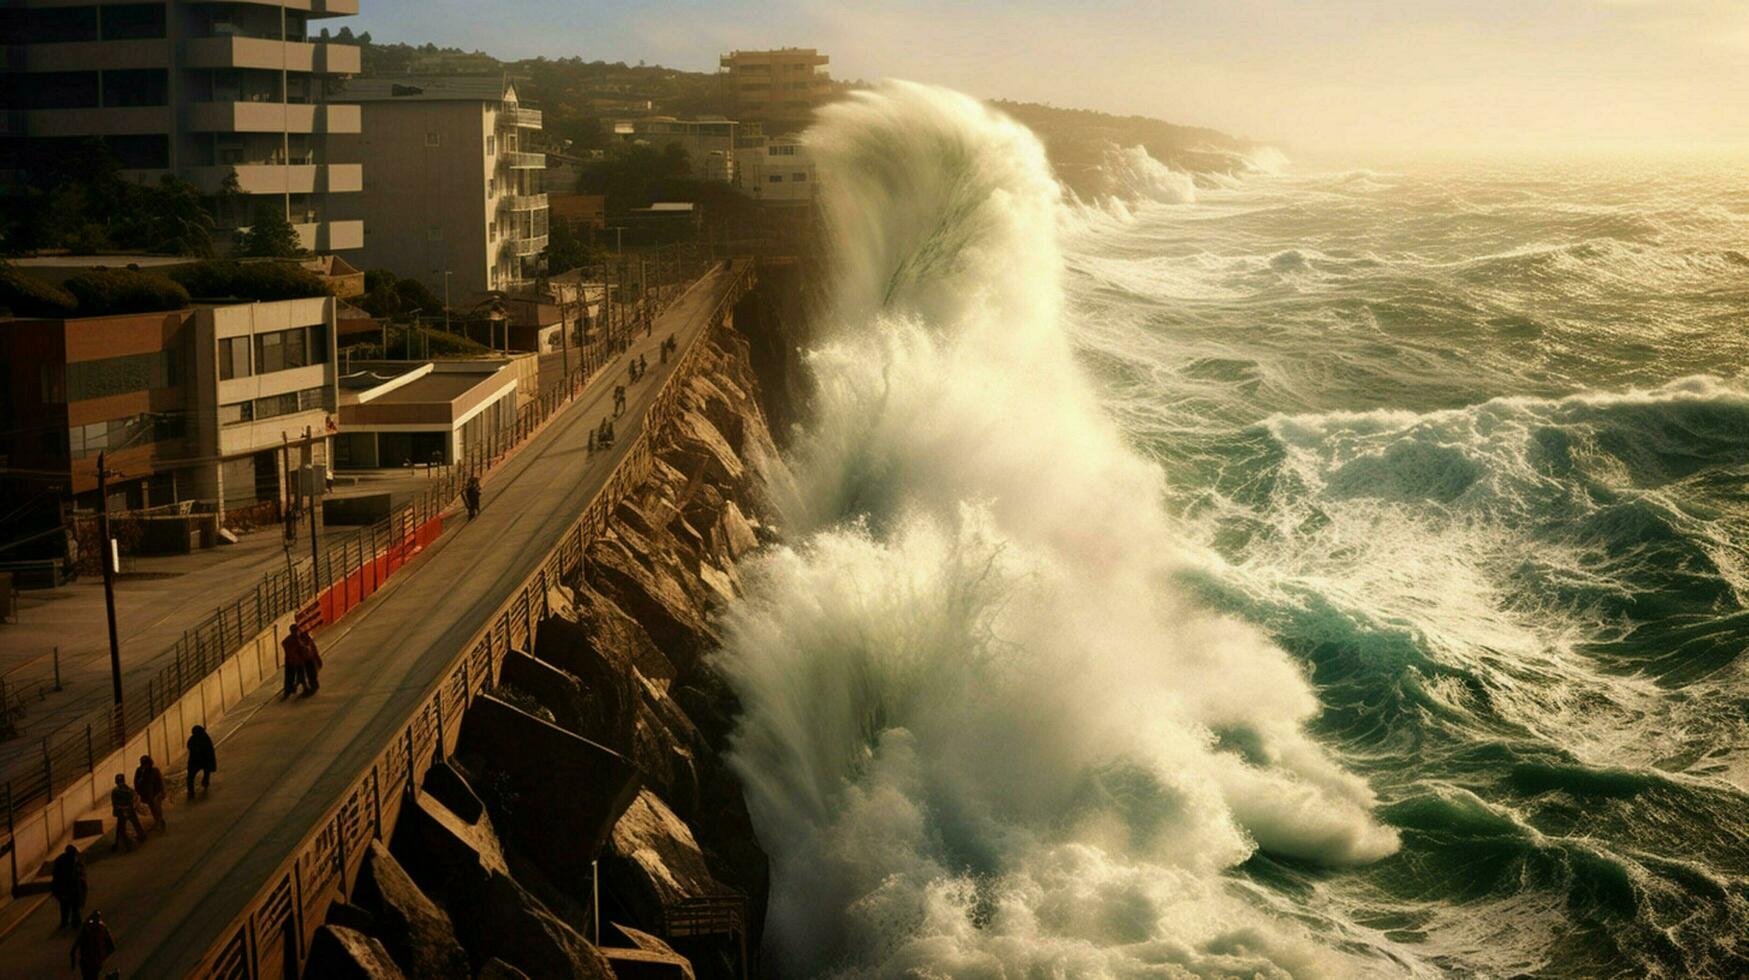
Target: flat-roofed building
{"type": "Point", "coordinates": [778, 170]}
{"type": "Point", "coordinates": [455, 182]}
{"type": "Point", "coordinates": [709, 142]}
{"type": "Point", "coordinates": [207, 91]}
{"type": "Point", "coordinates": [189, 405]}
{"type": "Point", "coordinates": [779, 88]}
{"type": "Point", "coordinates": [405, 413]}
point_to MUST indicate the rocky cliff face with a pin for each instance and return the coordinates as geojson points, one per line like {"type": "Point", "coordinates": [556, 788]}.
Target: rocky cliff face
{"type": "Point", "coordinates": [595, 765]}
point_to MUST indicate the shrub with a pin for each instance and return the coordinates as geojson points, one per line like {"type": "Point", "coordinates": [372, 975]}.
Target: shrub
{"type": "Point", "coordinates": [375, 279]}
{"type": "Point", "coordinates": [263, 281]}
{"type": "Point", "coordinates": [26, 295]}
{"type": "Point", "coordinates": [105, 292]}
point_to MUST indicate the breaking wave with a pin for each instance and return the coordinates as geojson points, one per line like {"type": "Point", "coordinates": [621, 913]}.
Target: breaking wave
{"type": "Point", "coordinates": [985, 729]}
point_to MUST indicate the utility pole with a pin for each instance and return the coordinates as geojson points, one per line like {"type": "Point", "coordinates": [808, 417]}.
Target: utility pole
{"type": "Point", "coordinates": [446, 300]}
{"type": "Point", "coordinates": [314, 495]}
{"type": "Point", "coordinates": [106, 555]}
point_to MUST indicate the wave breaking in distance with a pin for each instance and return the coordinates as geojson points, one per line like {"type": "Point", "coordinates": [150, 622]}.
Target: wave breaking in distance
{"type": "Point", "coordinates": [985, 730]}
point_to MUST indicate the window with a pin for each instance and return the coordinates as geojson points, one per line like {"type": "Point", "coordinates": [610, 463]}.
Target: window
{"type": "Point", "coordinates": [236, 412]}
{"type": "Point", "coordinates": [491, 146]}
{"type": "Point", "coordinates": [491, 186]}
{"type": "Point", "coordinates": [270, 352]}
{"type": "Point", "coordinates": [775, 178]}
{"type": "Point", "coordinates": [136, 87]}
{"type": "Point", "coordinates": [117, 375]}
{"type": "Point", "coordinates": [798, 177]}
{"type": "Point", "coordinates": [491, 231]}
{"type": "Point", "coordinates": [272, 405]}
{"type": "Point", "coordinates": [433, 139]}
{"type": "Point", "coordinates": [233, 358]}
{"type": "Point", "coordinates": [133, 21]}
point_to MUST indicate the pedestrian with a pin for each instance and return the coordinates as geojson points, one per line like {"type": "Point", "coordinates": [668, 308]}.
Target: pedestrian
{"type": "Point", "coordinates": [643, 365]}
{"type": "Point", "coordinates": [202, 758]}
{"type": "Point", "coordinates": [67, 883]}
{"type": "Point", "coordinates": [471, 497]}
{"type": "Point", "coordinates": [293, 648]}
{"type": "Point", "coordinates": [591, 440]}
{"type": "Point", "coordinates": [124, 804]}
{"type": "Point", "coordinates": [313, 660]}
{"type": "Point", "coordinates": [93, 947]}
{"type": "Point", "coordinates": [149, 783]}
{"type": "Point", "coordinates": [631, 372]}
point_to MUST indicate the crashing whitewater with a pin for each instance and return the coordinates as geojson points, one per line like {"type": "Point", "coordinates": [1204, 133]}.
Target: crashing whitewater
{"type": "Point", "coordinates": [986, 730]}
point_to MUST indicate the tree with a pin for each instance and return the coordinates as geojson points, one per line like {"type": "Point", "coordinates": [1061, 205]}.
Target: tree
{"type": "Point", "coordinates": [567, 251]}
{"type": "Point", "coordinates": [271, 236]}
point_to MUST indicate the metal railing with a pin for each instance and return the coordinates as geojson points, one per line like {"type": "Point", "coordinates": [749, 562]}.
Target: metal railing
{"type": "Point", "coordinates": [290, 905]}
{"type": "Point", "coordinates": [71, 751]}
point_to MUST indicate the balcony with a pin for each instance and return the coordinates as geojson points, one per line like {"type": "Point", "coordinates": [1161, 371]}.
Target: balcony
{"type": "Point", "coordinates": [520, 117]}
{"type": "Point", "coordinates": [272, 54]}
{"type": "Point", "coordinates": [316, 8]}
{"type": "Point", "coordinates": [523, 202]}
{"type": "Point", "coordinates": [273, 178]}
{"type": "Point", "coordinates": [273, 117]}
{"type": "Point", "coordinates": [525, 246]}
{"type": "Point", "coordinates": [525, 161]}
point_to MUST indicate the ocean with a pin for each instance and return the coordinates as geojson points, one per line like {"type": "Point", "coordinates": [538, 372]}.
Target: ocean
{"type": "Point", "coordinates": [1267, 572]}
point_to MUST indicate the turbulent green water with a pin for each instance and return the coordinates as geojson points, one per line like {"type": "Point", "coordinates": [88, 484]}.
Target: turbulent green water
{"type": "Point", "coordinates": [1265, 575]}
{"type": "Point", "coordinates": [1473, 446]}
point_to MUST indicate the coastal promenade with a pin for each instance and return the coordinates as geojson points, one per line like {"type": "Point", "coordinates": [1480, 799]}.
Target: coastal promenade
{"type": "Point", "coordinates": [283, 764]}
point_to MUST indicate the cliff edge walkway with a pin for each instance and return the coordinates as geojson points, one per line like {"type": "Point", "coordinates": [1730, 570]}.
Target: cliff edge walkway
{"type": "Point", "coordinates": [283, 764]}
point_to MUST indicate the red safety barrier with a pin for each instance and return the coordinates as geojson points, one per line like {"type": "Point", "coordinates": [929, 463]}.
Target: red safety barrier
{"type": "Point", "coordinates": [344, 595]}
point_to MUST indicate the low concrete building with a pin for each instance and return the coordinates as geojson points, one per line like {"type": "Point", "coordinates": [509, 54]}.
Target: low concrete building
{"type": "Point", "coordinates": [401, 413]}
{"type": "Point", "coordinates": [189, 405]}
{"type": "Point", "coordinates": [709, 141]}
{"type": "Point", "coordinates": [777, 170]}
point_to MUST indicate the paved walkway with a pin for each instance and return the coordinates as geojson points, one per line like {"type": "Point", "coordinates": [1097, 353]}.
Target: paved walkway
{"type": "Point", "coordinates": [281, 764]}
{"type": "Point", "coordinates": [155, 600]}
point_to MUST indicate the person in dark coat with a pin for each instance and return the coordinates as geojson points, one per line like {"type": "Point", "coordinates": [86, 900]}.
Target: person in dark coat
{"type": "Point", "coordinates": [93, 947]}
{"type": "Point", "coordinates": [471, 497]}
{"type": "Point", "coordinates": [202, 758]}
{"type": "Point", "coordinates": [293, 648]}
{"type": "Point", "coordinates": [312, 663]}
{"type": "Point", "coordinates": [149, 783]}
{"type": "Point", "coordinates": [125, 803]}
{"type": "Point", "coordinates": [67, 884]}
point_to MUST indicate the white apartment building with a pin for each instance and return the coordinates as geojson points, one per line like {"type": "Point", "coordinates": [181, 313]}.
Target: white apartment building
{"type": "Point", "coordinates": [265, 374]}
{"type": "Point", "coordinates": [455, 190]}
{"type": "Point", "coordinates": [202, 90]}
{"type": "Point", "coordinates": [778, 170]}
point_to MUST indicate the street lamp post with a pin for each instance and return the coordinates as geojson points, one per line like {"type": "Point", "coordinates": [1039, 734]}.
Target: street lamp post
{"type": "Point", "coordinates": [446, 301]}
{"type": "Point", "coordinates": [106, 555]}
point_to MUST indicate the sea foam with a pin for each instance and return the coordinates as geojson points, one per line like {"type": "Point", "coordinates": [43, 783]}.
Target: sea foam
{"type": "Point", "coordinates": [984, 731]}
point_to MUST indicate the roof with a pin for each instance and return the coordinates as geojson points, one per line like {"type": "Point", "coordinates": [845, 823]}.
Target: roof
{"type": "Point", "coordinates": [670, 206]}
{"type": "Point", "coordinates": [427, 88]}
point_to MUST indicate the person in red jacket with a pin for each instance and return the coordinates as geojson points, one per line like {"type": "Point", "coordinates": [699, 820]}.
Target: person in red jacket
{"type": "Point", "coordinates": [149, 783]}
{"type": "Point", "coordinates": [92, 947]}
{"type": "Point", "coordinates": [293, 647]}
{"type": "Point", "coordinates": [312, 663]}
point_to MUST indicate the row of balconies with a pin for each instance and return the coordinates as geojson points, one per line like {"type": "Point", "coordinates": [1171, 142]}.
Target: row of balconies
{"type": "Point", "coordinates": [519, 117]}
{"type": "Point", "coordinates": [523, 202]}
{"type": "Point", "coordinates": [202, 52]}
{"type": "Point", "coordinates": [201, 117]}
{"type": "Point", "coordinates": [523, 161]}
{"type": "Point", "coordinates": [525, 246]}
{"type": "Point", "coordinates": [272, 178]}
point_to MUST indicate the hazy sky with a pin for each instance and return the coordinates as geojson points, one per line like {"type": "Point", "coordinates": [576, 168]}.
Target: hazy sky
{"type": "Point", "coordinates": [1337, 75]}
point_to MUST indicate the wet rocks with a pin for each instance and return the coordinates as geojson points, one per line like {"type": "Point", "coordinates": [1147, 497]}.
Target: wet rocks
{"type": "Point", "coordinates": [347, 954]}
{"type": "Point", "coordinates": [415, 931]}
